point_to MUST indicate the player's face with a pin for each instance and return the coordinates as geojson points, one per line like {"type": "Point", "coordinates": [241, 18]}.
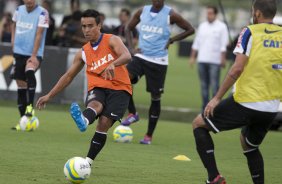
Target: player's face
{"type": "Point", "coordinates": [211, 16]}
{"type": "Point", "coordinates": [123, 17]}
{"type": "Point", "coordinates": [30, 4]}
{"type": "Point", "coordinates": [90, 28]}
{"type": "Point", "coordinates": [158, 3]}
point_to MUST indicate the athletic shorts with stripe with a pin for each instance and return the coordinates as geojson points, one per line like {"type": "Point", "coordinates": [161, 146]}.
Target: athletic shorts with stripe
{"type": "Point", "coordinates": [230, 115]}
{"type": "Point", "coordinates": [154, 73]}
{"type": "Point", "coordinates": [115, 102]}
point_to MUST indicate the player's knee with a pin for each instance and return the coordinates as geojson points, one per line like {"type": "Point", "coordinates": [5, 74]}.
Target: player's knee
{"type": "Point", "coordinates": [104, 124]}
{"type": "Point", "coordinates": [156, 96]}
{"type": "Point", "coordinates": [31, 80]}
{"type": "Point", "coordinates": [21, 84]}
{"type": "Point", "coordinates": [247, 146]}
{"type": "Point", "coordinates": [96, 105]}
{"type": "Point", "coordinates": [32, 65]}
{"type": "Point", "coordinates": [198, 122]}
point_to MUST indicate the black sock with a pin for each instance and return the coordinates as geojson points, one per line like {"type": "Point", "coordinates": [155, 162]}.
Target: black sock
{"type": "Point", "coordinates": [256, 166]}
{"type": "Point", "coordinates": [154, 114]}
{"type": "Point", "coordinates": [90, 114]}
{"type": "Point", "coordinates": [205, 148]}
{"type": "Point", "coordinates": [22, 100]}
{"type": "Point", "coordinates": [31, 85]}
{"type": "Point", "coordinates": [131, 106]}
{"type": "Point", "coordinates": [97, 143]}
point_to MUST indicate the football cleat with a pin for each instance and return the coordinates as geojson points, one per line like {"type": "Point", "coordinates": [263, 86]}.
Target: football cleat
{"type": "Point", "coordinates": [147, 140]}
{"type": "Point", "coordinates": [17, 127]}
{"type": "Point", "coordinates": [29, 111]}
{"type": "Point", "coordinates": [218, 180]}
{"type": "Point", "coordinates": [131, 118]}
{"type": "Point", "coordinates": [78, 117]}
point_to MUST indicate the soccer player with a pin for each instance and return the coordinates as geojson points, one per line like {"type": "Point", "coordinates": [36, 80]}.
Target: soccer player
{"type": "Point", "coordinates": [257, 74]}
{"type": "Point", "coordinates": [151, 58]}
{"type": "Point", "coordinates": [109, 87]}
{"type": "Point", "coordinates": [30, 22]}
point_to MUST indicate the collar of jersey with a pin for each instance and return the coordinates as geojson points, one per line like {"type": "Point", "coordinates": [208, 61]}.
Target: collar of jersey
{"type": "Point", "coordinates": [153, 10]}
{"type": "Point", "coordinates": [98, 42]}
{"type": "Point", "coordinates": [36, 6]}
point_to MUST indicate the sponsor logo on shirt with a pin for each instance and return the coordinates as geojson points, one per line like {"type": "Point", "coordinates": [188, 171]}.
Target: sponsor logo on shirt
{"type": "Point", "coordinates": [277, 66]}
{"type": "Point", "coordinates": [152, 29]}
{"type": "Point", "coordinates": [24, 25]}
{"type": "Point", "coordinates": [101, 62]}
{"type": "Point", "coordinates": [271, 32]}
{"type": "Point", "coordinates": [269, 43]}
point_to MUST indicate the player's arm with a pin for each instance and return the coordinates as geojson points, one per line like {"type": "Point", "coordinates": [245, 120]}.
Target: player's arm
{"type": "Point", "coordinates": [177, 19]}
{"type": "Point", "coordinates": [43, 23]}
{"type": "Point", "coordinates": [231, 77]}
{"type": "Point", "coordinates": [37, 41]}
{"type": "Point", "coordinates": [130, 28]}
{"type": "Point", "coordinates": [122, 53]}
{"type": "Point", "coordinates": [64, 81]}
{"type": "Point", "coordinates": [242, 52]}
{"type": "Point", "coordinates": [13, 28]}
{"type": "Point", "coordinates": [13, 31]}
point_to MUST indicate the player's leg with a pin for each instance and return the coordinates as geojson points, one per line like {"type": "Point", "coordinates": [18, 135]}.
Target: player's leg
{"type": "Point", "coordinates": [154, 114]}
{"type": "Point", "coordinates": [251, 137]}
{"type": "Point", "coordinates": [135, 70]}
{"type": "Point", "coordinates": [22, 96]}
{"type": "Point", "coordinates": [155, 78]}
{"type": "Point", "coordinates": [30, 69]}
{"type": "Point", "coordinates": [94, 105]}
{"type": "Point", "coordinates": [18, 74]}
{"type": "Point", "coordinates": [214, 72]}
{"type": "Point", "coordinates": [205, 147]}
{"type": "Point", "coordinates": [204, 80]}
{"type": "Point", "coordinates": [99, 139]}
{"type": "Point", "coordinates": [116, 102]}
{"type": "Point", "coordinates": [227, 115]}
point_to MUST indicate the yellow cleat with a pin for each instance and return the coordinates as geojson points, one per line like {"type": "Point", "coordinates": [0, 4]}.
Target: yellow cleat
{"type": "Point", "coordinates": [17, 127]}
{"type": "Point", "coordinates": [29, 111]}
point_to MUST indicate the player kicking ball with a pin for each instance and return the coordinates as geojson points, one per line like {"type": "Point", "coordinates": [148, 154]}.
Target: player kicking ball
{"type": "Point", "coordinates": [257, 74]}
{"type": "Point", "coordinates": [109, 88]}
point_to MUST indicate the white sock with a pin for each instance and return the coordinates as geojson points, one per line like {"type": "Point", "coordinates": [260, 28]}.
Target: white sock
{"type": "Point", "coordinates": [86, 120]}
{"type": "Point", "coordinates": [89, 160]}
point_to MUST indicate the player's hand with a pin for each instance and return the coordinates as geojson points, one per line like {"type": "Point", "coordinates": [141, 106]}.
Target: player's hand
{"type": "Point", "coordinates": [192, 62]}
{"type": "Point", "coordinates": [168, 43]}
{"type": "Point", "coordinates": [135, 51]}
{"type": "Point", "coordinates": [33, 61]}
{"type": "Point", "coordinates": [109, 72]}
{"type": "Point", "coordinates": [41, 102]}
{"type": "Point", "coordinates": [223, 63]}
{"type": "Point", "coordinates": [210, 107]}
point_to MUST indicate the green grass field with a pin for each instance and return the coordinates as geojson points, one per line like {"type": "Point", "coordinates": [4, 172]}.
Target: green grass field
{"type": "Point", "coordinates": [38, 157]}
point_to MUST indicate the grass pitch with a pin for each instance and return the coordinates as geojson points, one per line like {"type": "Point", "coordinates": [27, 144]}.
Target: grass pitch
{"type": "Point", "coordinates": [38, 157]}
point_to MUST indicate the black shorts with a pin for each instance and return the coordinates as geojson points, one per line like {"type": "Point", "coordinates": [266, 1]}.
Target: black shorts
{"type": "Point", "coordinates": [230, 115]}
{"type": "Point", "coordinates": [18, 69]}
{"type": "Point", "coordinates": [155, 74]}
{"type": "Point", "coordinates": [115, 102]}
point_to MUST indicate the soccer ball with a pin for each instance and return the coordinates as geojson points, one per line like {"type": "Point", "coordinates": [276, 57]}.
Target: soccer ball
{"type": "Point", "coordinates": [77, 170]}
{"type": "Point", "coordinates": [29, 123]}
{"type": "Point", "coordinates": [123, 134]}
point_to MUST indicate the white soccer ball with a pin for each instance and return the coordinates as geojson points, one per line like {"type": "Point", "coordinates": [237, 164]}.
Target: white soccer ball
{"type": "Point", "coordinates": [77, 170]}
{"type": "Point", "coordinates": [123, 134]}
{"type": "Point", "coordinates": [29, 123]}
